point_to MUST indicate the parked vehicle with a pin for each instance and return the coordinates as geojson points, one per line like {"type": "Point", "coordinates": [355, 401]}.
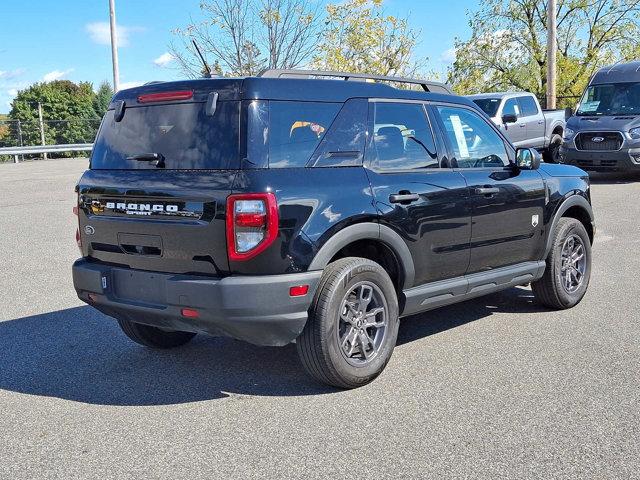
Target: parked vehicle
{"type": "Point", "coordinates": [604, 134]}
{"type": "Point", "coordinates": [285, 208]}
{"type": "Point", "coordinates": [525, 124]}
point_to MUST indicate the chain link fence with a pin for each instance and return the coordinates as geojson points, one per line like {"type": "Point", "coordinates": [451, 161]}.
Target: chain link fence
{"type": "Point", "coordinates": [16, 133]}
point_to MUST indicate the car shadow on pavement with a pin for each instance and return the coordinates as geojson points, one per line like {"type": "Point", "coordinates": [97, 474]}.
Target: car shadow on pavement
{"type": "Point", "coordinates": [79, 354]}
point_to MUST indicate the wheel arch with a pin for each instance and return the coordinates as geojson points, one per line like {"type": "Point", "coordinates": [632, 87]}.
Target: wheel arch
{"type": "Point", "coordinates": [372, 232]}
{"type": "Point", "coordinates": [576, 207]}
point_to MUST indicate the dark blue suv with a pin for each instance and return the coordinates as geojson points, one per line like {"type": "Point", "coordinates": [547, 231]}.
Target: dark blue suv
{"type": "Point", "coordinates": [297, 207]}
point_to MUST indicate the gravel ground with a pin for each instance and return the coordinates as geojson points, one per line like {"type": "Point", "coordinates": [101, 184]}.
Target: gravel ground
{"type": "Point", "coordinates": [493, 388]}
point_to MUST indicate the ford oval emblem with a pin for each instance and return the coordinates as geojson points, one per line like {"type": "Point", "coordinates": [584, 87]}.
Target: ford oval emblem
{"type": "Point", "coordinates": [597, 139]}
{"type": "Point", "coordinates": [89, 230]}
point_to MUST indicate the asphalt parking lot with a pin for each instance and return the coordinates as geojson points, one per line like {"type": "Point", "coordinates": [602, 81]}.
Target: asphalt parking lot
{"type": "Point", "coordinates": [493, 388]}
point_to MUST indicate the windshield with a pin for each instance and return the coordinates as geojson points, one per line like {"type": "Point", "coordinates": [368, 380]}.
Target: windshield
{"type": "Point", "coordinates": [182, 136]}
{"type": "Point", "coordinates": [611, 99]}
{"type": "Point", "coordinates": [488, 105]}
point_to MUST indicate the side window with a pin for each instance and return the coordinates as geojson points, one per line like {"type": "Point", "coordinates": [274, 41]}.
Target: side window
{"type": "Point", "coordinates": [296, 129]}
{"type": "Point", "coordinates": [511, 107]}
{"type": "Point", "coordinates": [402, 137]}
{"type": "Point", "coordinates": [475, 144]}
{"type": "Point", "coordinates": [528, 106]}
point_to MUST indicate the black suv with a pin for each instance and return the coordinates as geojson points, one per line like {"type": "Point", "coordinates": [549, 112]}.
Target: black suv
{"type": "Point", "coordinates": [295, 207]}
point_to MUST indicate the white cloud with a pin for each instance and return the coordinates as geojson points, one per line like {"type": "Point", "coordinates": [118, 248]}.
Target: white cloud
{"type": "Point", "coordinates": [100, 33]}
{"type": "Point", "coordinates": [8, 75]}
{"type": "Point", "coordinates": [12, 92]}
{"type": "Point", "coordinates": [125, 85]}
{"type": "Point", "coordinates": [56, 75]}
{"type": "Point", "coordinates": [164, 59]}
{"type": "Point", "coordinates": [448, 56]}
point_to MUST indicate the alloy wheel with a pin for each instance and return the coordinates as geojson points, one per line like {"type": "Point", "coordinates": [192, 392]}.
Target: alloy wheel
{"type": "Point", "coordinates": [363, 323]}
{"type": "Point", "coordinates": [573, 263]}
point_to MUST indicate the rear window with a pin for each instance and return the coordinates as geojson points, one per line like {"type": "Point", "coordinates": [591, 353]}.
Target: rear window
{"type": "Point", "coordinates": [182, 133]}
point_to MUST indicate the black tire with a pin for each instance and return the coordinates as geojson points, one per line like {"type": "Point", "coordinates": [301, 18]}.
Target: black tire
{"type": "Point", "coordinates": [550, 290]}
{"type": "Point", "coordinates": [319, 344]}
{"type": "Point", "coordinates": [154, 337]}
{"type": "Point", "coordinates": [551, 154]}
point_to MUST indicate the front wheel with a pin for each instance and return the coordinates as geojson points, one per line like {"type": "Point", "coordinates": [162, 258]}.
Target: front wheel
{"type": "Point", "coordinates": [568, 268]}
{"type": "Point", "coordinates": [353, 324]}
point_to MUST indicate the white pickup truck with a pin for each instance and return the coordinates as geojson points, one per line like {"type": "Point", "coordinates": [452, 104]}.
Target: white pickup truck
{"type": "Point", "coordinates": [519, 116]}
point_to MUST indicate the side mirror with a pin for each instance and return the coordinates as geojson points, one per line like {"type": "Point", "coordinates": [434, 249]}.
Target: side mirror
{"type": "Point", "coordinates": [528, 159]}
{"type": "Point", "coordinates": [509, 118]}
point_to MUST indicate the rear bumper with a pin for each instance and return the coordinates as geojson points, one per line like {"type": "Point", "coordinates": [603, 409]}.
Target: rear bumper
{"type": "Point", "coordinates": [621, 160]}
{"type": "Point", "coordinates": [257, 309]}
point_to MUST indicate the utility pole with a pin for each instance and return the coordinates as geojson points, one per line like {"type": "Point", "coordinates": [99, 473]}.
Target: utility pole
{"type": "Point", "coordinates": [114, 46]}
{"type": "Point", "coordinates": [20, 138]}
{"type": "Point", "coordinates": [41, 128]}
{"type": "Point", "coordinates": [552, 48]}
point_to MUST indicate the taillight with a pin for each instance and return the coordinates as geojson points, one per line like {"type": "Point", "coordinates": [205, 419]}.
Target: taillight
{"type": "Point", "coordinates": [165, 96]}
{"type": "Point", "coordinates": [252, 224]}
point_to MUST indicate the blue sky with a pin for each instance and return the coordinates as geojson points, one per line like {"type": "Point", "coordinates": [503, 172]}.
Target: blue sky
{"type": "Point", "coordinates": [50, 39]}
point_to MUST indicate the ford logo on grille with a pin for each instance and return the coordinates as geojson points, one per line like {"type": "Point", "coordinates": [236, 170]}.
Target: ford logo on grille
{"type": "Point", "coordinates": [597, 139]}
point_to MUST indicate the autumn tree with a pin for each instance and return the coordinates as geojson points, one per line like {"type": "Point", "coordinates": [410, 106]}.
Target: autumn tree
{"type": "Point", "coordinates": [507, 47]}
{"type": "Point", "coordinates": [360, 37]}
{"type": "Point", "coordinates": [243, 37]}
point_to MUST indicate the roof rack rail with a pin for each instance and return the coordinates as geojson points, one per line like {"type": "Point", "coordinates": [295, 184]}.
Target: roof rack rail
{"type": "Point", "coordinates": [427, 85]}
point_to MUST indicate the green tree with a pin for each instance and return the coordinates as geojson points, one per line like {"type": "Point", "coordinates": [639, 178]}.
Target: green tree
{"type": "Point", "coordinates": [360, 37]}
{"type": "Point", "coordinates": [68, 112]}
{"type": "Point", "coordinates": [507, 49]}
{"type": "Point", "coordinates": [102, 99]}
{"type": "Point", "coordinates": [243, 37]}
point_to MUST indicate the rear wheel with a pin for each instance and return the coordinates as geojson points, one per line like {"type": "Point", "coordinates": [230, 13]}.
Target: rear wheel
{"type": "Point", "coordinates": [568, 268]}
{"type": "Point", "coordinates": [552, 153]}
{"type": "Point", "coordinates": [154, 337]}
{"type": "Point", "coordinates": [353, 324]}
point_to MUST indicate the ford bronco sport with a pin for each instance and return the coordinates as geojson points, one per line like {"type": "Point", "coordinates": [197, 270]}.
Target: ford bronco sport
{"type": "Point", "coordinates": [295, 207]}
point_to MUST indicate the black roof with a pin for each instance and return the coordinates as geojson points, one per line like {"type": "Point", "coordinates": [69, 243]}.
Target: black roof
{"type": "Point", "coordinates": [618, 73]}
{"type": "Point", "coordinates": [263, 88]}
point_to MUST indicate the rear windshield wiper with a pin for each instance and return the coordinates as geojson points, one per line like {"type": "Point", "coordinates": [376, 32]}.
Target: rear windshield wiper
{"type": "Point", "coordinates": [158, 158]}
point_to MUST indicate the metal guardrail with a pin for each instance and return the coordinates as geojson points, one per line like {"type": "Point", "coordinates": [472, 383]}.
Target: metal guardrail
{"type": "Point", "coordinates": [73, 147]}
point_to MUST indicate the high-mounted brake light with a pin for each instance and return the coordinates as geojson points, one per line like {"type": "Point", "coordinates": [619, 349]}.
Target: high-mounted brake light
{"type": "Point", "coordinates": [251, 224]}
{"type": "Point", "coordinates": [165, 96]}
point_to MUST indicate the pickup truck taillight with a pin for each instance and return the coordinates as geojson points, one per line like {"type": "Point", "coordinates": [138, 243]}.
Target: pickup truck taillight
{"type": "Point", "coordinates": [251, 224]}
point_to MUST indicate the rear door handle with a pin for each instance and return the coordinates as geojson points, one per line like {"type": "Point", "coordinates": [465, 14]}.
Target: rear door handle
{"type": "Point", "coordinates": [487, 190]}
{"type": "Point", "coordinates": [522, 125]}
{"type": "Point", "coordinates": [404, 197]}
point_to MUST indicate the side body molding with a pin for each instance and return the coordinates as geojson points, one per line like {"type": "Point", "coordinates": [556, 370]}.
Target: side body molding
{"type": "Point", "coordinates": [363, 231]}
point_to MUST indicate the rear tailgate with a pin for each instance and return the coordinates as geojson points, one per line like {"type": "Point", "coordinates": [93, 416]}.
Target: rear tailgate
{"type": "Point", "coordinates": [162, 167]}
{"type": "Point", "coordinates": [164, 221]}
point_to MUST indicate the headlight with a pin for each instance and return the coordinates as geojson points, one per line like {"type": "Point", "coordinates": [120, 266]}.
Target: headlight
{"type": "Point", "coordinates": [634, 133]}
{"type": "Point", "coordinates": [568, 133]}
